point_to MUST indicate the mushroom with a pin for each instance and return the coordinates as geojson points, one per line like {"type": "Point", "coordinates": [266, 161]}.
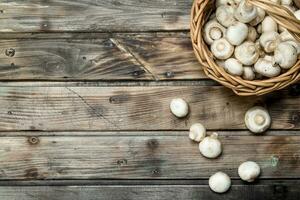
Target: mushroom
{"type": "Point", "coordinates": [252, 34]}
{"type": "Point", "coordinates": [197, 132]}
{"type": "Point", "coordinates": [286, 2]}
{"type": "Point", "coordinates": [237, 33]}
{"type": "Point", "coordinates": [286, 55]}
{"type": "Point", "coordinates": [269, 25]}
{"type": "Point", "coordinates": [179, 107]}
{"type": "Point", "coordinates": [261, 13]}
{"type": "Point", "coordinates": [234, 67]}
{"type": "Point", "coordinates": [257, 119]}
{"type": "Point", "coordinates": [249, 171]}
{"type": "Point", "coordinates": [234, 3]}
{"type": "Point", "coordinates": [259, 28]}
{"type": "Point", "coordinates": [297, 14]}
{"type": "Point", "coordinates": [269, 41]}
{"type": "Point", "coordinates": [245, 12]}
{"type": "Point", "coordinates": [225, 15]}
{"type": "Point", "coordinates": [266, 66]}
{"type": "Point", "coordinates": [210, 147]}
{"type": "Point", "coordinates": [219, 182]}
{"type": "Point", "coordinates": [248, 73]}
{"type": "Point", "coordinates": [285, 36]}
{"type": "Point", "coordinates": [213, 31]}
{"type": "Point", "coordinates": [221, 49]}
{"type": "Point", "coordinates": [247, 53]}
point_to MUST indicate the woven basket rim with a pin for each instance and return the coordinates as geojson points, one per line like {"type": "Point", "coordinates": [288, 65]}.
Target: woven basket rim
{"type": "Point", "coordinates": [199, 15]}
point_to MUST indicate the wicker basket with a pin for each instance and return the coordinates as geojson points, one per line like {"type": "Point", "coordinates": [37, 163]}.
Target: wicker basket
{"type": "Point", "coordinates": [201, 11]}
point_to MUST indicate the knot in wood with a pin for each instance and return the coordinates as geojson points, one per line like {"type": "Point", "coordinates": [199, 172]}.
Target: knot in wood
{"type": "Point", "coordinates": [33, 140]}
{"type": "Point", "coordinates": [10, 52]}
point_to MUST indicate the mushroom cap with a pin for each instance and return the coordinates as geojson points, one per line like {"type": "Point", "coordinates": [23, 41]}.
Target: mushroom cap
{"type": "Point", "coordinates": [249, 171]}
{"type": "Point", "coordinates": [286, 55]}
{"type": "Point", "coordinates": [245, 12]}
{"type": "Point", "coordinates": [257, 119]}
{"type": "Point", "coordinates": [266, 66]}
{"type": "Point", "coordinates": [179, 107]}
{"type": "Point", "coordinates": [221, 49]}
{"type": "Point", "coordinates": [286, 2]}
{"type": "Point", "coordinates": [210, 147]}
{"type": "Point", "coordinates": [234, 67]}
{"type": "Point", "coordinates": [252, 34]}
{"type": "Point", "coordinates": [269, 25]}
{"type": "Point", "coordinates": [237, 33]}
{"type": "Point", "coordinates": [297, 14]}
{"type": "Point", "coordinates": [247, 53]}
{"type": "Point", "coordinates": [225, 15]}
{"type": "Point", "coordinates": [213, 31]}
{"type": "Point", "coordinates": [269, 41]}
{"type": "Point", "coordinates": [261, 13]}
{"type": "Point", "coordinates": [219, 182]}
{"type": "Point", "coordinates": [197, 132]}
{"type": "Point", "coordinates": [248, 73]}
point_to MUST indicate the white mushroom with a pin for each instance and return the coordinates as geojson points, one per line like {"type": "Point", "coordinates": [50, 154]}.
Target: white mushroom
{"type": "Point", "coordinates": [234, 67]}
{"type": "Point", "coordinates": [225, 15]}
{"type": "Point", "coordinates": [297, 14]}
{"type": "Point", "coordinates": [259, 28]}
{"type": "Point", "coordinates": [197, 132]}
{"type": "Point", "coordinates": [245, 12]}
{"type": "Point", "coordinates": [210, 147]}
{"type": "Point", "coordinates": [179, 107]}
{"type": "Point", "coordinates": [213, 31]}
{"type": "Point", "coordinates": [249, 171]}
{"type": "Point", "coordinates": [219, 182]}
{"type": "Point", "coordinates": [257, 119]}
{"type": "Point", "coordinates": [269, 25]}
{"type": "Point", "coordinates": [247, 53]}
{"type": "Point", "coordinates": [252, 34]}
{"type": "Point", "coordinates": [248, 73]}
{"type": "Point", "coordinates": [286, 55]}
{"type": "Point", "coordinates": [237, 33]}
{"type": "Point", "coordinates": [285, 36]}
{"type": "Point", "coordinates": [261, 13]}
{"type": "Point", "coordinates": [266, 66]}
{"type": "Point", "coordinates": [221, 49]}
{"type": "Point", "coordinates": [227, 2]}
{"type": "Point", "coordinates": [269, 41]}
{"type": "Point", "coordinates": [286, 2]}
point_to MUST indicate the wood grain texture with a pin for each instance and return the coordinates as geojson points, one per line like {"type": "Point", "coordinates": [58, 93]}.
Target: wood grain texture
{"type": "Point", "coordinates": [165, 156]}
{"type": "Point", "coordinates": [136, 108]}
{"type": "Point", "coordinates": [286, 191]}
{"type": "Point", "coordinates": [92, 16]}
{"type": "Point", "coordinates": [117, 57]}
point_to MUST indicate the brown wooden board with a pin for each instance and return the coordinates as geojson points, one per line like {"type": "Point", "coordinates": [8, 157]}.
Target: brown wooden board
{"type": "Point", "coordinates": [287, 191]}
{"type": "Point", "coordinates": [136, 108]}
{"type": "Point", "coordinates": [167, 155]}
{"type": "Point", "coordinates": [106, 57]}
{"type": "Point", "coordinates": [93, 16]}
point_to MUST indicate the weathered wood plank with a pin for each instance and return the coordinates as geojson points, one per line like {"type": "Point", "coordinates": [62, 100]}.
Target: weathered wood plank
{"type": "Point", "coordinates": [92, 16]}
{"type": "Point", "coordinates": [123, 56]}
{"type": "Point", "coordinates": [286, 191]}
{"type": "Point", "coordinates": [136, 108]}
{"type": "Point", "coordinates": [142, 157]}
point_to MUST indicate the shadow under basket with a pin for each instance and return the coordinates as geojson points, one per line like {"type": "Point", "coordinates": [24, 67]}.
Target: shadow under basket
{"type": "Point", "coordinates": [200, 13]}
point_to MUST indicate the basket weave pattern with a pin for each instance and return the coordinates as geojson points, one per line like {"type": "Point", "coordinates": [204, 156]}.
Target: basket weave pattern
{"type": "Point", "coordinates": [200, 13]}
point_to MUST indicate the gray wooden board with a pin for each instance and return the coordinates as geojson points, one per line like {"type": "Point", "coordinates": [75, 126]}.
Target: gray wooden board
{"type": "Point", "coordinates": [136, 108]}
{"type": "Point", "coordinates": [286, 191]}
{"type": "Point", "coordinates": [103, 57]}
{"type": "Point", "coordinates": [167, 155]}
{"type": "Point", "coordinates": [93, 16]}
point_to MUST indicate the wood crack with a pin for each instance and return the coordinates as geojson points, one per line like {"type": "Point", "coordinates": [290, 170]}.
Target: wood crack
{"type": "Point", "coordinates": [99, 115]}
{"type": "Point", "coordinates": [132, 55]}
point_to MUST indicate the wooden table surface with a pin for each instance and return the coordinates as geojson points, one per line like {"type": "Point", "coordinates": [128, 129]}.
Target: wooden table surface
{"type": "Point", "coordinates": [85, 87]}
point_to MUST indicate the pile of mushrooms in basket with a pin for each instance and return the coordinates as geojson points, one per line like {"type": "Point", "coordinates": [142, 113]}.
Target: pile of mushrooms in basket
{"type": "Point", "coordinates": [247, 42]}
